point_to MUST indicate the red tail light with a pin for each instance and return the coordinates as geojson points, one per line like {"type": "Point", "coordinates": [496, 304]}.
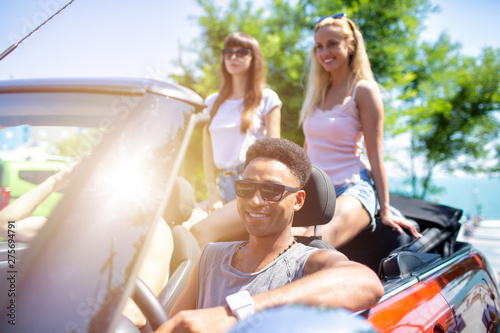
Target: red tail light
{"type": "Point", "coordinates": [4, 197]}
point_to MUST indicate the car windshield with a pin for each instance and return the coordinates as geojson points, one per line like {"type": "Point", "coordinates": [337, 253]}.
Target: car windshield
{"type": "Point", "coordinates": [82, 264]}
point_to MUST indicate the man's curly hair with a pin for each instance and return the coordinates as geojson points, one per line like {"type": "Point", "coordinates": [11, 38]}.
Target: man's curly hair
{"type": "Point", "coordinates": [284, 151]}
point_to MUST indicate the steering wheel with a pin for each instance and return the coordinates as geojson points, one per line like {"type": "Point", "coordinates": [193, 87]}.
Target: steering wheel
{"type": "Point", "coordinates": [149, 304]}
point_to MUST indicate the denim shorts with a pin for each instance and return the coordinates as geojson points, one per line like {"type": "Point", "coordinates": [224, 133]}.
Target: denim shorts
{"type": "Point", "coordinates": [364, 192]}
{"type": "Point", "coordinates": [225, 183]}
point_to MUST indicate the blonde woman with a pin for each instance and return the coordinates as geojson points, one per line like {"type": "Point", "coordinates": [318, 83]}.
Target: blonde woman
{"type": "Point", "coordinates": [342, 107]}
{"type": "Point", "coordinates": [242, 111]}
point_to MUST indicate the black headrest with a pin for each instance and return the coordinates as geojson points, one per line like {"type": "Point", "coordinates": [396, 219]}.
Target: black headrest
{"type": "Point", "coordinates": [319, 206]}
{"type": "Point", "coordinates": [181, 203]}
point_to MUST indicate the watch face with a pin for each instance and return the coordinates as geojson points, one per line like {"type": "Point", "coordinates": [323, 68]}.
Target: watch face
{"type": "Point", "coordinates": [239, 300]}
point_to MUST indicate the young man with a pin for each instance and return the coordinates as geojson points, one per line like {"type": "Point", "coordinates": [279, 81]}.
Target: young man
{"type": "Point", "coordinates": [234, 279]}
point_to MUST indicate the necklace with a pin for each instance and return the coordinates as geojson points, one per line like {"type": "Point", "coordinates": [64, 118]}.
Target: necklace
{"type": "Point", "coordinates": [288, 248]}
{"type": "Point", "coordinates": [279, 255]}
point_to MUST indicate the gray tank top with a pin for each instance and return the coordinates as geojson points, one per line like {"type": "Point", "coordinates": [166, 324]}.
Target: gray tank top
{"type": "Point", "coordinates": [217, 278]}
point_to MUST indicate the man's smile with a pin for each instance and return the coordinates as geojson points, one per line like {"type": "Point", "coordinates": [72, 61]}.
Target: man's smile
{"type": "Point", "coordinates": [257, 215]}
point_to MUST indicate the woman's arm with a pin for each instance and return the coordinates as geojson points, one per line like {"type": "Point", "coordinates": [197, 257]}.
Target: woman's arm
{"type": "Point", "coordinates": [26, 229]}
{"type": "Point", "coordinates": [272, 123]}
{"type": "Point", "coordinates": [214, 199]}
{"type": "Point", "coordinates": [371, 109]}
{"type": "Point", "coordinates": [21, 209]}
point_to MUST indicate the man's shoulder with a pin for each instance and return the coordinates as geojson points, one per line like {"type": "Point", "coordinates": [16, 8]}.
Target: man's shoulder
{"type": "Point", "coordinates": [324, 258]}
{"type": "Point", "coordinates": [301, 252]}
{"type": "Point", "coordinates": [222, 245]}
{"type": "Point", "coordinates": [219, 249]}
{"type": "Point", "coordinates": [306, 247]}
{"type": "Point", "coordinates": [314, 243]}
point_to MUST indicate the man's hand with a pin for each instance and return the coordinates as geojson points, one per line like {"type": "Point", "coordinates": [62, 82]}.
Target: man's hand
{"type": "Point", "coordinates": [209, 320]}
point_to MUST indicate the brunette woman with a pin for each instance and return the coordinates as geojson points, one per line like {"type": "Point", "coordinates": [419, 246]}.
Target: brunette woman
{"type": "Point", "coordinates": [242, 111]}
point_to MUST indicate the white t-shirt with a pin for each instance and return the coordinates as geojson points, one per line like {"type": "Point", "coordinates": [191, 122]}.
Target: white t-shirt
{"type": "Point", "coordinates": [229, 145]}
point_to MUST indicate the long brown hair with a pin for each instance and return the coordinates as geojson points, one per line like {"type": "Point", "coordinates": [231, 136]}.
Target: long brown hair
{"type": "Point", "coordinates": [255, 79]}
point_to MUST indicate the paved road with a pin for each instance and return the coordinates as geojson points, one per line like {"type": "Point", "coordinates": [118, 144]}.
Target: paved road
{"type": "Point", "coordinates": [486, 238]}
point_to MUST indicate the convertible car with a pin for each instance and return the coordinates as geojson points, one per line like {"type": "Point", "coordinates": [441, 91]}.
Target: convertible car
{"type": "Point", "coordinates": [81, 268]}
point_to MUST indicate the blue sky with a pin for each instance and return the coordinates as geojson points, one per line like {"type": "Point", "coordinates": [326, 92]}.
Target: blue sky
{"type": "Point", "coordinates": [141, 38]}
{"type": "Point", "coordinates": [94, 37]}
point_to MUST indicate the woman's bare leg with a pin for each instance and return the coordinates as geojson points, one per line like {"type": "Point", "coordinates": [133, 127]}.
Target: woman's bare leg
{"type": "Point", "coordinates": [223, 224]}
{"type": "Point", "coordinates": [349, 220]}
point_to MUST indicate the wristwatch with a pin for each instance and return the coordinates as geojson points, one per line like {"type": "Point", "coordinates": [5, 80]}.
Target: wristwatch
{"type": "Point", "coordinates": [241, 304]}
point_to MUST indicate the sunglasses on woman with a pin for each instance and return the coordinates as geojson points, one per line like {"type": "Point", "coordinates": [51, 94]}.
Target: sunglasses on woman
{"type": "Point", "coordinates": [335, 16]}
{"type": "Point", "coordinates": [239, 53]}
{"type": "Point", "coordinates": [269, 191]}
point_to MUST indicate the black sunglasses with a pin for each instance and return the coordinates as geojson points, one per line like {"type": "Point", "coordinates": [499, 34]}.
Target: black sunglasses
{"type": "Point", "coordinates": [269, 191]}
{"type": "Point", "coordinates": [239, 53]}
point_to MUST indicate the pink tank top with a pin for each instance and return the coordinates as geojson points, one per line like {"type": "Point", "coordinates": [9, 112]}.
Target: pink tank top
{"type": "Point", "coordinates": [335, 141]}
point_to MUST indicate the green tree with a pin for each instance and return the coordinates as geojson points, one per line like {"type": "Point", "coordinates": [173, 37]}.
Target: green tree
{"type": "Point", "coordinates": [445, 100]}
{"type": "Point", "coordinates": [284, 31]}
{"type": "Point", "coordinates": [450, 108]}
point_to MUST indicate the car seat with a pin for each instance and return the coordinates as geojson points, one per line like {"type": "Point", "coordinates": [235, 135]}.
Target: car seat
{"type": "Point", "coordinates": [186, 248]}
{"type": "Point", "coordinates": [318, 209]}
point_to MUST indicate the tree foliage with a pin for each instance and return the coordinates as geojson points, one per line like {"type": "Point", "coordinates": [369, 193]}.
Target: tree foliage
{"type": "Point", "coordinates": [284, 31]}
{"type": "Point", "coordinates": [451, 107]}
{"type": "Point", "coordinates": [442, 98]}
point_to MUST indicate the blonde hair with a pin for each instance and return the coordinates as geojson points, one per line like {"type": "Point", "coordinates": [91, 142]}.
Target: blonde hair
{"type": "Point", "coordinates": [255, 79]}
{"type": "Point", "coordinates": [319, 79]}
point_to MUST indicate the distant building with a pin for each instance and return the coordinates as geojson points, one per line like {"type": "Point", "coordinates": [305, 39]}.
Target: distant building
{"type": "Point", "coordinates": [13, 137]}
{"type": "Point", "coordinates": [34, 141]}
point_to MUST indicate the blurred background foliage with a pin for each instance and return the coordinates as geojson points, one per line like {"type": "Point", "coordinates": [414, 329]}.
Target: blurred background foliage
{"type": "Point", "coordinates": [444, 103]}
